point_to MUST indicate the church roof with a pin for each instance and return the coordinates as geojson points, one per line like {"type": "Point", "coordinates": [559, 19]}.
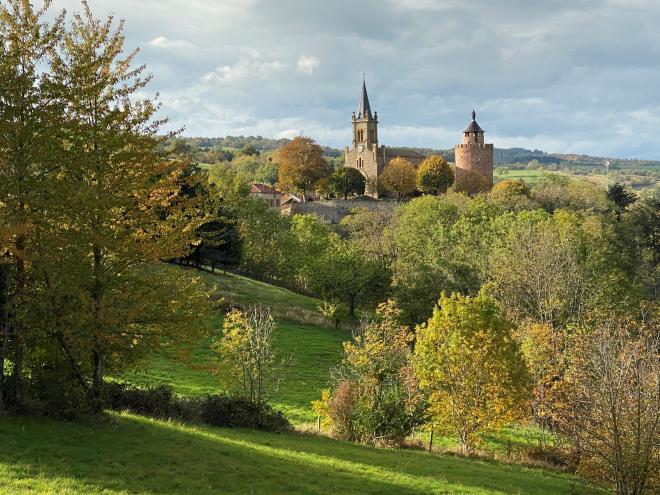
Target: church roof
{"type": "Point", "coordinates": [402, 152]}
{"type": "Point", "coordinates": [473, 126]}
{"type": "Point", "coordinates": [364, 109]}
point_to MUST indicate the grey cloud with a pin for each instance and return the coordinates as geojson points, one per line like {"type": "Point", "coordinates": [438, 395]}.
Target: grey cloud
{"type": "Point", "coordinates": [562, 75]}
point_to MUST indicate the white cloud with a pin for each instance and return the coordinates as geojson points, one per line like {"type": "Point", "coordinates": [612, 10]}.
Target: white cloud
{"type": "Point", "coordinates": [307, 64]}
{"type": "Point", "coordinates": [425, 4]}
{"type": "Point", "coordinates": [164, 42]}
{"type": "Point", "coordinates": [249, 65]}
{"type": "Point", "coordinates": [545, 75]}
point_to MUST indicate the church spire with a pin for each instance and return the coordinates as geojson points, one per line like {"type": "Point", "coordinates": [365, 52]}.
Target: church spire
{"type": "Point", "coordinates": [364, 110]}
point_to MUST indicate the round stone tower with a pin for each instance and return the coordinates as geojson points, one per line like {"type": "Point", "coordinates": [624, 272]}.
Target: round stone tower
{"type": "Point", "coordinates": [473, 156]}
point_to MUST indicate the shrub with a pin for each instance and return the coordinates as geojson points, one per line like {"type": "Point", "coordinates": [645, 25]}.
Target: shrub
{"type": "Point", "coordinates": [376, 399]}
{"type": "Point", "coordinates": [238, 412]}
{"type": "Point", "coordinates": [53, 392]}
{"type": "Point", "coordinates": [217, 410]}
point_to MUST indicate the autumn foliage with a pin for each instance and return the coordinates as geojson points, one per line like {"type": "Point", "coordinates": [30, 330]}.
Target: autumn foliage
{"type": "Point", "coordinates": [399, 177]}
{"type": "Point", "coordinates": [301, 165]}
{"type": "Point", "coordinates": [470, 365]}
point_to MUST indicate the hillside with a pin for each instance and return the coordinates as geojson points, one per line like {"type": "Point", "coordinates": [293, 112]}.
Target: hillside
{"type": "Point", "coordinates": [131, 454]}
{"type": "Point", "coordinates": [314, 348]}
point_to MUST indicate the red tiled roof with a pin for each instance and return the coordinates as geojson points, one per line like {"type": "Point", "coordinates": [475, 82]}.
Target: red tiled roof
{"type": "Point", "coordinates": [263, 189]}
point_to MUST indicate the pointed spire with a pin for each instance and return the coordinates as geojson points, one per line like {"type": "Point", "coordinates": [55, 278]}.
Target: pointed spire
{"type": "Point", "coordinates": [474, 115]}
{"type": "Point", "coordinates": [364, 109]}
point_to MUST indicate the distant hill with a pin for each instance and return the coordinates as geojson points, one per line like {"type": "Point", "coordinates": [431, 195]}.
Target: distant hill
{"type": "Point", "coordinates": [502, 156]}
{"type": "Point", "coordinates": [633, 172]}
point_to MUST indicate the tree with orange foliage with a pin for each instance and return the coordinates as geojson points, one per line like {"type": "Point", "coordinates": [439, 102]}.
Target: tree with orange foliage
{"type": "Point", "coordinates": [301, 165]}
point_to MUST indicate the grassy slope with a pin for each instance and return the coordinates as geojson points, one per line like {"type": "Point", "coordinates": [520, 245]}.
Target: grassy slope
{"type": "Point", "coordinates": [138, 455]}
{"type": "Point", "coordinates": [314, 349]}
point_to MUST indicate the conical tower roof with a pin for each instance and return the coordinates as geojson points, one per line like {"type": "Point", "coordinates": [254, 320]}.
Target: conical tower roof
{"type": "Point", "coordinates": [364, 109]}
{"type": "Point", "coordinates": [473, 126]}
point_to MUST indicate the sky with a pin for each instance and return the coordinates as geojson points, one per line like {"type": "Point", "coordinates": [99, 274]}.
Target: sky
{"type": "Point", "coordinates": [565, 76]}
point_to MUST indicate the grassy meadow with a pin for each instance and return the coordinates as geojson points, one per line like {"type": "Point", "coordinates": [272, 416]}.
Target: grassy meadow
{"type": "Point", "coordinates": [132, 454]}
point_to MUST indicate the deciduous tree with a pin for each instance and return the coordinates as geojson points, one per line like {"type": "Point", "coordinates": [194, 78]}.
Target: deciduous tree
{"type": "Point", "coordinates": [301, 165]}
{"type": "Point", "coordinates": [347, 180]}
{"type": "Point", "coordinates": [31, 116]}
{"type": "Point", "coordinates": [376, 398]}
{"type": "Point", "coordinates": [467, 360]}
{"type": "Point", "coordinates": [435, 175]}
{"type": "Point", "coordinates": [612, 397]}
{"type": "Point", "coordinates": [249, 362]}
{"type": "Point", "coordinates": [399, 177]}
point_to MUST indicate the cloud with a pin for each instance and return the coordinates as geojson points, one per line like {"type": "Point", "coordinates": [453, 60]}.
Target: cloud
{"type": "Point", "coordinates": [307, 64]}
{"type": "Point", "coordinates": [249, 65]}
{"type": "Point", "coordinates": [560, 75]}
{"type": "Point", "coordinates": [164, 42]}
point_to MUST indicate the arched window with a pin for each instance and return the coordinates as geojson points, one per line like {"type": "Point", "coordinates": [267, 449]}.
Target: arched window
{"type": "Point", "coordinates": [360, 163]}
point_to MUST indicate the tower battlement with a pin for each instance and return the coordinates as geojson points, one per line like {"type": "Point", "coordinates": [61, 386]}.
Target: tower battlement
{"type": "Point", "coordinates": [474, 145]}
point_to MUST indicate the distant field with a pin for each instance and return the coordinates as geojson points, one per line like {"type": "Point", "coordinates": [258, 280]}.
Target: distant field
{"type": "Point", "coordinates": [132, 454]}
{"type": "Point", "coordinates": [531, 176]}
{"type": "Point", "coordinates": [526, 175]}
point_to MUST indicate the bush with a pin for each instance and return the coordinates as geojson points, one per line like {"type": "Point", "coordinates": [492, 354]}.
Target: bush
{"type": "Point", "coordinates": [376, 400]}
{"type": "Point", "coordinates": [237, 412]}
{"type": "Point", "coordinates": [217, 410]}
{"type": "Point", "coordinates": [54, 393]}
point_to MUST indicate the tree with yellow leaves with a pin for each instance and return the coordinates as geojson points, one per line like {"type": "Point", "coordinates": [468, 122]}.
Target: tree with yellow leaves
{"type": "Point", "coordinates": [435, 175]}
{"type": "Point", "coordinates": [375, 399]}
{"type": "Point", "coordinates": [471, 367]}
{"type": "Point", "coordinates": [399, 177]}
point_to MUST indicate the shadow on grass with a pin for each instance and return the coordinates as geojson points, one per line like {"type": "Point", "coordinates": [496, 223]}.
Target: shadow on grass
{"type": "Point", "coordinates": [146, 456]}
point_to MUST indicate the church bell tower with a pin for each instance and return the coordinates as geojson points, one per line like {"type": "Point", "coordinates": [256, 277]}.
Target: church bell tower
{"type": "Point", "coordinates": [365, 124]}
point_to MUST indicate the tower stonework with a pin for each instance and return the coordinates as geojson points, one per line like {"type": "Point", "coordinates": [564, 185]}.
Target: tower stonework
{"type": "Point", "coordinates": [473, 155]}
{"type": "Point", "coordinates": [364, 154]}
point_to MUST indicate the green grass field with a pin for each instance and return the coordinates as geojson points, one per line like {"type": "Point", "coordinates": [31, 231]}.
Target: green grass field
{"type": "Point", "coordinates": [131, 454]}
{"type": "Point", "coordinates": [524, 175]}
{"type": "Point", "coordinates": [314, 350]}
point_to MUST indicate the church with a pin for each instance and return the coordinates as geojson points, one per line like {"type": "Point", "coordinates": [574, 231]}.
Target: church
{"type": "Point", "coordinates": [473, 156]}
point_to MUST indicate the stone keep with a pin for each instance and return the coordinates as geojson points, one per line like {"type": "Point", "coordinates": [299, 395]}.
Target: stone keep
{"type": "Point", "coordinates": [473, 154]}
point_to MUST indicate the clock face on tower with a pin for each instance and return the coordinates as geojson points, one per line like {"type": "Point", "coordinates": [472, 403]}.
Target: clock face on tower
{"type": "Point", "coordinates": [360, 148]}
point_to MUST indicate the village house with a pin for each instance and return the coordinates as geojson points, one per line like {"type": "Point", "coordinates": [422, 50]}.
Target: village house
{"type": "Point", "coordinates": [267, 194]}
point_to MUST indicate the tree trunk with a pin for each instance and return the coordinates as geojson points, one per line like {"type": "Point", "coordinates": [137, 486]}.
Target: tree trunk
{"type": "Point", "coordinates": [351, 306]}
{"type": "Point", "coordinates": [97, 351]}
{"type": "Point", "coordinates": [17, 371]}
{"type": "Point", "coordinates": [4, 321]}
